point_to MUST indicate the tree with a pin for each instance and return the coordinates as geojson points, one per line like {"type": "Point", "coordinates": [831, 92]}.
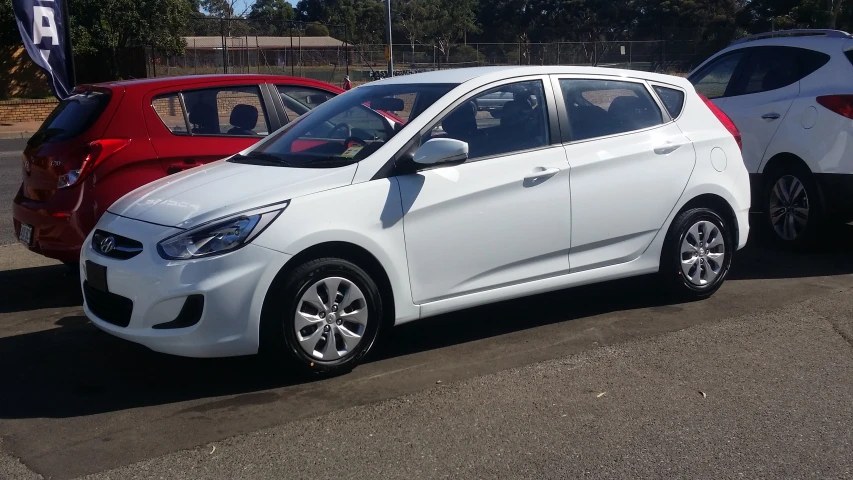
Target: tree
{"type": "Point", "coordinates": [316, 29]}
{"type": "Point", "coordinates": [107, 27]}
{"type": "Point", "coordinates": [272, 17]}
{"type": "Point", "coordinates": [447, 21]}
{"type": "Point", "coordinates": [224, 11]}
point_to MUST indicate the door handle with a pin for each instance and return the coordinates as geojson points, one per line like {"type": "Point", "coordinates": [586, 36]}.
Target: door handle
{"type": "Point", "coordinates": [770, 116]}
{"type": "Point", "coordinates": [667, 148]}
{"type": "Point", "coordinates": [541, 173]}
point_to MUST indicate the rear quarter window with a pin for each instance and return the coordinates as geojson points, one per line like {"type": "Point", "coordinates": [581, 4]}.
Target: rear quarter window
{"type": "Point", "coordinates": [72, 117]}
{"type": "Point", "coordinates": [672, 99]}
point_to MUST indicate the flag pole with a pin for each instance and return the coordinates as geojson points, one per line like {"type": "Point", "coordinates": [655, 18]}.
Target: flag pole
{"type": "Point", "coordinates": [72, 70]}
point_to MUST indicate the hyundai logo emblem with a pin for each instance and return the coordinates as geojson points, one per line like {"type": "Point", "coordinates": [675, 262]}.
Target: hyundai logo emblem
{"type": "Point", "coordinates": [108, 245]}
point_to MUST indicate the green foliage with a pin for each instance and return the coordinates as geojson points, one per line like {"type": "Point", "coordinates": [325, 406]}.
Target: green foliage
{"type": "Point", "coordinates": [271, 17]}
{"type": "Point", "coordinates": [315, 29]}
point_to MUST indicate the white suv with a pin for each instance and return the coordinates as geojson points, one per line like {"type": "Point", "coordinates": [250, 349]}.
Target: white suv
{"type": "Point", "coordinates": [350, 219]}
{"type": "Point", "coordinates": [790, 94]}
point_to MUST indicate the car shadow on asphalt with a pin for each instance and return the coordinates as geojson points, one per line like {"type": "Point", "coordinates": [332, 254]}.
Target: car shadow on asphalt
{"type": "Point", "coordinates": [27, 289]}
{"type": "Point", "coordinates": [763, 259]}
{"type": "Point", "coordinates": [76, 370]}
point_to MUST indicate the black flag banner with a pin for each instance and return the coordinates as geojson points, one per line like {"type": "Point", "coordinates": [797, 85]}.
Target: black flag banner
{"type": "Point", "coordinates": [45, 32]}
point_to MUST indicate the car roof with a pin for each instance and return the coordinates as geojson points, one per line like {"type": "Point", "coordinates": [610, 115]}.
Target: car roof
{"type": "Point", "coordinates": [189, 80]}
{"type": "Point", "coordinates": [486, 74]}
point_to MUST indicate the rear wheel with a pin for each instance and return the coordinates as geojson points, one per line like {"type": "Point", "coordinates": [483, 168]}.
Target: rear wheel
{"type": "Point", "coordinates": [697, 254]}
{"type": "Point", "coordinates": [323, 317]}
{"type": "Point", "coordinates": [792, 206]}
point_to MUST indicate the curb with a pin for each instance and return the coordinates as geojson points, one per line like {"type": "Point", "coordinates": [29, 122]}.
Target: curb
{"type": "Point", "coordinates": [15, 135]}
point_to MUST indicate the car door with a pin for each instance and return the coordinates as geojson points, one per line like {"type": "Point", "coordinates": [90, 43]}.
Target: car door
{"type": "Point", "coordinates": [630, 164]}
{"type": "Point", "coordinates": [761, 97]}
{"type": "Point", "coordinates": [501, 217]}
{"type": "Point", "coordinates": [195, 126]}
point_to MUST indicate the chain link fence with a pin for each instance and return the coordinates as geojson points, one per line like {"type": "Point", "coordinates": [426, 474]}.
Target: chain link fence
{"type": "Point", "coordinates": [323, 52]}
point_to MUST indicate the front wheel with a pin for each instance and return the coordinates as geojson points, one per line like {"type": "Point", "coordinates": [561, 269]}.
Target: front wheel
{"type": "Point", "coordinates": [324, 317]}
{"type": "Point", "coordinates": [697, 254]}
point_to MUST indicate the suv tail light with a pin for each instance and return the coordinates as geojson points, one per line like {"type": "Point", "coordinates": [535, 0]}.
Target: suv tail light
{"type": "Point", "coordinates": [724, 119]}
{"type": "Point", "coordinates": [840, 104]}
{"type": "Point", "coordinates": [96, 152]}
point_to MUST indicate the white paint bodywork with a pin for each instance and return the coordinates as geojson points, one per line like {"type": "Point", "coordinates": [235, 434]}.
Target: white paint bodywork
{"type": "Point", "coordinates": [821, 138]}
{"type": "Point", "coordinates": [448, 238]}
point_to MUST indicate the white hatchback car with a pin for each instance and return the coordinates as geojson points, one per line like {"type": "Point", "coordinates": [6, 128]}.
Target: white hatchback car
{"type": "Point", "coordinates": [306, 245]}
{"type": "Point", "coordinates": [790, 95]}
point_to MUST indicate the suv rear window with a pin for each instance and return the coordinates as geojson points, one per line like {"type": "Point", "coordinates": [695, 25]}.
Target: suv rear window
{"type": "Point", "coordinates": [72, 117]}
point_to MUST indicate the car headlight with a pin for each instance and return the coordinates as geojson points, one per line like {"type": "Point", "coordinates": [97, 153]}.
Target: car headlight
{"type": "Point", "coordinates": [216, 238]}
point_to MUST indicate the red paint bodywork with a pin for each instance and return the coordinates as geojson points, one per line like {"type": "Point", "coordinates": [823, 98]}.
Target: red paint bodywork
{"type": "Point", "coordinates": [63, 217]}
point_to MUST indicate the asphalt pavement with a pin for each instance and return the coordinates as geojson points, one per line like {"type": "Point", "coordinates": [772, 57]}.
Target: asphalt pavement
{"type": "Point", "coordinates": [10, 181]}
{"type": "Point", "coordinates": [605, 381]}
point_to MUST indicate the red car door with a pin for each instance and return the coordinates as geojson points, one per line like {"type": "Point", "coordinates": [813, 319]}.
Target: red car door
{"type": "Point", "coordinates": [200, 124]}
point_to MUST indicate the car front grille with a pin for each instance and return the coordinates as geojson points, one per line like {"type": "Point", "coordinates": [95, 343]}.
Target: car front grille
{"type": "Point", "coordinates": [108, 307]}
{"type": "Point", "coordinates": [115, 246]}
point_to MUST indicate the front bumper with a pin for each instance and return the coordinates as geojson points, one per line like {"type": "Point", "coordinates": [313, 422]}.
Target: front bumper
{"type": "Point", "coordinates": [233, 287]}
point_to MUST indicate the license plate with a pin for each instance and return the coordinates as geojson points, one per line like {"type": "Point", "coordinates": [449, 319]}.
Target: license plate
{"type": "Point", "coordinates": [26, 234]}
{"type": "Point", "coordinates": [96, 275]}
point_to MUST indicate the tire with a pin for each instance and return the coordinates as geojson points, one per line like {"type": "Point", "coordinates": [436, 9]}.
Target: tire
{"type": "Point", "coordinates": [792, 223]}
{"type": "Point", "coordinates": [710, 266]}
{"type": "Point", "coordinates": [299, 296]}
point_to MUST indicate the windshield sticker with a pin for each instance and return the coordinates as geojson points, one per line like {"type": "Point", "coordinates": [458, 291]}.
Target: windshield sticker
{"type": "Point", "coordinates": [352, 151]}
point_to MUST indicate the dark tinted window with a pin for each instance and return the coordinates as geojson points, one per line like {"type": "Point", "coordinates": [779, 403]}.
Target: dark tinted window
{"type": "Point", "coordinates": [849, 55]}
{"type": "Point", "coordinates": [71, 117]}
{"type": "Point", "coordinates": [713, 80]}
{"type": "Point", "coordinates": [506, 119]}
{"type": "Point", "coordinates": [672, 99]}
{"type": "Point", "coordinates": [769, 69]}
{"type": "Point", "coordinates": [811, 61]}
{"type": "Point", "coordinates": [598, 108]}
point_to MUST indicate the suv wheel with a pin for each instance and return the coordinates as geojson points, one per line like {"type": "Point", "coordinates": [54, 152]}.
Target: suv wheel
{"type": "Point", "coordinates": [791, 205]}
{"type": "Point", "coordinates": [697, 254]}
{"type": "Point", "coordinates": [324, 317]}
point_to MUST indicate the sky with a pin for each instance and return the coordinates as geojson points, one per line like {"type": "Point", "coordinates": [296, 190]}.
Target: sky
{"type": "Point", "coordinates": [245, 4]}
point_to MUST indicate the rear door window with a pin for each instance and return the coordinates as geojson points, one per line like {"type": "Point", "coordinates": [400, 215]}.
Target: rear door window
{"type": "Point", "coordinates": [597, 108]}
{"type": "Point", "coordinates": [72, 117]}
{"type": "Point", "coordinates": [227, 111]}
{"type": "Point", "coordinates": [769, 69]}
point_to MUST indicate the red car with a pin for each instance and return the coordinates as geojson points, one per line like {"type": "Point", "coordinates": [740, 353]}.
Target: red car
{"type": "Point", "coordinates": [106, 140]}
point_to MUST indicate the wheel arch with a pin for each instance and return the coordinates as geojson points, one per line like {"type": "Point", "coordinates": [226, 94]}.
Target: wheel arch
{"type": "Point", "coordinates": [719, 205]}
{"type": "Point", "coordinates": [337, 249]}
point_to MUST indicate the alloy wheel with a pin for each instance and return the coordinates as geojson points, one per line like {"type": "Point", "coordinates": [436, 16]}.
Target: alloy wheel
{"type": "Point", "coordinates": [702, 253]}
{"type": "Point", "coordinates": [789, 207]}
{"type": "Point", "coordinates": [330, 319]}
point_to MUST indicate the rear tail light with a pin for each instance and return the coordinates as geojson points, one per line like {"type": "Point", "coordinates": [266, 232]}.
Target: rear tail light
{"type": "Point", "coordinates": [96, 152]}
{"type": "Point", "coordinates": [724, 119]}
{"type": "Point", "coordinates": [840, 104]}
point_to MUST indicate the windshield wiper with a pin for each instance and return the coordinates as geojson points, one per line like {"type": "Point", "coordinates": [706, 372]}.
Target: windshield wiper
{"type": "Point", "coordinates": [330, 161]}
{"type": "Point", "coordinates": [261, 159]}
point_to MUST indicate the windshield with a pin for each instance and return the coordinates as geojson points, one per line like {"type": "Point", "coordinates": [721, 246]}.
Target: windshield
{"type": "Point", "coordinates": [347, 128]}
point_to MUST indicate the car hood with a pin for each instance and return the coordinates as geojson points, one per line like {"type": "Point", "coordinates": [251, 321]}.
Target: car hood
{"type": "Point", "coordinates": [222, 188]}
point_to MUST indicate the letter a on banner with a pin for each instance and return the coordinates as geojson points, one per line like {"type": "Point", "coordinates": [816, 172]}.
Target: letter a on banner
{"type": "Point", "coordinates": [46, 36]}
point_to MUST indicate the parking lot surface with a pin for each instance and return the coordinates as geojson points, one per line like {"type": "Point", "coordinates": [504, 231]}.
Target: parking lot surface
{"type": "Point", "coordinates": [606, 381]}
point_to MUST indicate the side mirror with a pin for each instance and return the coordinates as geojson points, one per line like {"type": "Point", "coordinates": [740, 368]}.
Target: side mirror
{"type": "Point", "coordinates": [441, 150]}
